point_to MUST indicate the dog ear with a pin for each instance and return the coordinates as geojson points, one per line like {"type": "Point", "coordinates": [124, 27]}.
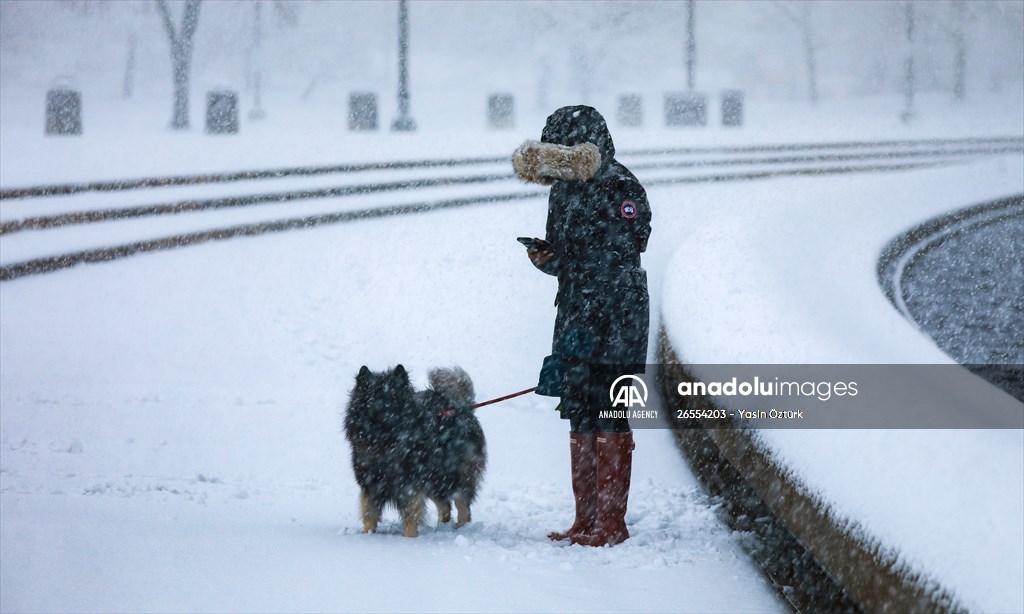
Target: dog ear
{"type": "Point", "coordinates": [401, 373]}
{"type": "Point", "coordinates": [363, 373]}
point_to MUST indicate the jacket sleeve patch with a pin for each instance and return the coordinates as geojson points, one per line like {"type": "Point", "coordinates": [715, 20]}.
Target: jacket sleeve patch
{"type": "Point", "coordinates": [628, 209]}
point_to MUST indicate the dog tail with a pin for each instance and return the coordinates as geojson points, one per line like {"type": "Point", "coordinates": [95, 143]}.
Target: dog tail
{"type": "Point", "coordinates": [454, 384]}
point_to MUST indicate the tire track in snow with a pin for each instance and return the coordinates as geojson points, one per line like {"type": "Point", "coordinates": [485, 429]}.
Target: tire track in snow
{"type": "Point", "coordinates": [306, 171]}
{"type": "Point", "coordinates": [187, 206]}
{"type": "Point", "coordinates": [192, 205]}
{"type": "Point", "coordinates": [37, 266]}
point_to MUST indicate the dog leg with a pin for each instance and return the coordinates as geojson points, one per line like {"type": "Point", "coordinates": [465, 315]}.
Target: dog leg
{"type": "Point", "coordinates": [444, 510]}
{"type": "Point", "coordinates": [462, 505]}
{"type": "Point", "coordinates": [370, 513]}
{"type": "Point", "coordinates": [412, 513]}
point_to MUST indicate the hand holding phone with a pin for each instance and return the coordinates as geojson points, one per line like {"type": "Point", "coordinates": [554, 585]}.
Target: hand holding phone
{"type": "Point", "coordinates": [538, 250]}
{"type": "Point", "coordinates": [535, 243]}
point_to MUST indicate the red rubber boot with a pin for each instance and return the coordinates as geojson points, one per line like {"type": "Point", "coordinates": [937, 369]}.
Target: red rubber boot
{"type": "Point", "coordinates": [583, 456]}
{"type": "Point", "coordinates": [614, 469]}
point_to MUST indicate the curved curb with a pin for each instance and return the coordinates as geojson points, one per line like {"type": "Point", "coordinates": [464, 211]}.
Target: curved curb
{"type": "Point", "coordinates": [900, 254]}
{"type": "Point", "coordinates": [818, 561]}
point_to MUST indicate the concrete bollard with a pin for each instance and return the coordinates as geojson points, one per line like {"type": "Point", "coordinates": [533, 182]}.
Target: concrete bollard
{"type": "Point", "coordinates": [221, 112]}
{"type": "Point", "coordinates": [631, 110]}
{"type": "Point", "coordinates": [732, 107]}
{"type": "Point", "coordinates": [686, 109]}
{"type": "Point", "coordinates": [362, 111]}
{"type": "Point", "coordinates": [501, 111]}
{"type": "Point", "coordinates": [63, 112]}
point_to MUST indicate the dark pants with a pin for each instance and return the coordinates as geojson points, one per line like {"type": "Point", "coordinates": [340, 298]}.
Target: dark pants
{"type": "Point", "coordinates": [584, 396]}
{"type": "Point", "coordinates": [591, 423]}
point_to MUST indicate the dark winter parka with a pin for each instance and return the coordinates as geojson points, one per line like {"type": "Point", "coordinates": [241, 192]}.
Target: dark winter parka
{"type": "Point", "coordinates": [598, 228]}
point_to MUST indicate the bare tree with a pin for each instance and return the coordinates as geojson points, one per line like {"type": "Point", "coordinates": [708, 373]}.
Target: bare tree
{"type": "Point", "coordinates": [584, 30]}
{"type": "Point", "coordinates": [590, 53]}
{"type": "Point", "coordinates": [535, 24]}
{"type": "Point", "coordinates": [949, 19]}
{"type": "Point", "coordinates": [181, 56]}
{"type": "Point", "coordinates": [803, 20]}
{"type": "Point", "coordinates": [287, 16]}
{"type": "Point", "coordinates": [131, 15]}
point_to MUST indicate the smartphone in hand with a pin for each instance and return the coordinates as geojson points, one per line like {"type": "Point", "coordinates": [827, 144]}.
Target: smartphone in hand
{"type": "Point", "coordinates": [534, 243]}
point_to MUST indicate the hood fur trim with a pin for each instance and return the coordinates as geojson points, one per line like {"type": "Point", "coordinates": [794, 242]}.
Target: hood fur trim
{"type": "Point", "coordinates": [545, 163]}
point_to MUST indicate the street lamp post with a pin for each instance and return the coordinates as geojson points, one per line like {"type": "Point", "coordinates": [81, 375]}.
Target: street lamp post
{"type": "Point", "coordinates": [909, 84]}
{"type": "Point", "coordinates": [257, 111]}
{"type": "Point", "coordinates": [691, 47]}
{"type": "Point", "coordinates": [403, 123]}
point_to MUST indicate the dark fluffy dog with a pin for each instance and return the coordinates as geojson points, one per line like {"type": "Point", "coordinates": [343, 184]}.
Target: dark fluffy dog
{"type": "Point", "coordinates": [408, 445]}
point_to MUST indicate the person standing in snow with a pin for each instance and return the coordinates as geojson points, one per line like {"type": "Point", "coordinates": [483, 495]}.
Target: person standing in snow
{"type": "Point", "coordinates": [598, 224]}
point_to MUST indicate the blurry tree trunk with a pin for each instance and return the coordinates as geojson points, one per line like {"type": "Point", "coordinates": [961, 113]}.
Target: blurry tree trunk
{"type": "Point", "coordinates": [959, 51]}
{"type": "Point", "coordinates": [909, 84]}
{"type": "Point", "coordinates": [181, 56]}
{"type": "Point", "coordinates": [256, 57]}
{"type": "Point", "coordinates": [582, 72]}
{"type": "Point", "coordinates": [128, 86]}
{"type": "Point", "coordinates": [804, 23]}
{"type": "Point", "coordinates": [812, 68]}
{"type": "Point", "coordinates": [691, 46]}
{"type": "Point", "coordinates": [588, 54]}
{"type": "Point", "coordinates": [543, 86]}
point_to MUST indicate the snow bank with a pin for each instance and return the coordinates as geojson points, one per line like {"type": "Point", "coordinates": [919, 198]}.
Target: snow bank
{"type": "Point", "coordinates": [788, 275]}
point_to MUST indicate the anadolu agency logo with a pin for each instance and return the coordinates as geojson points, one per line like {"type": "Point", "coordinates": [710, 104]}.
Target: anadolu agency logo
{"type": "Point", "coordinates": [628, 394]}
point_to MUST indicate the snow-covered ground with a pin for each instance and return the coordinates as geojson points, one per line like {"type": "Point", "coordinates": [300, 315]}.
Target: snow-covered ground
{"type": "Point", "coordinates": [170, 426]}
{"type": "Point", "coordinates": [171, 436]}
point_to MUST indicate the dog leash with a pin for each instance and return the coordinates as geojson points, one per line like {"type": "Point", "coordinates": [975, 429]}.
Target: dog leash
{"type": "Point", "coordinates": [451, 410]}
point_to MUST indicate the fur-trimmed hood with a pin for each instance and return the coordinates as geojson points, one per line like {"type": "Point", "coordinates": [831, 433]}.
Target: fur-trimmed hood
{"type": "Point", "coordinates": [574, 145]}
{"type": "Point", "coordinates": [545, 163]}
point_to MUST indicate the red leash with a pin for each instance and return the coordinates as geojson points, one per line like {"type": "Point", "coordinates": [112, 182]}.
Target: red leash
{"type": "Point", "coordinates": [451, 411]}
{"type": "Point", "coordinates": [505, 398]}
